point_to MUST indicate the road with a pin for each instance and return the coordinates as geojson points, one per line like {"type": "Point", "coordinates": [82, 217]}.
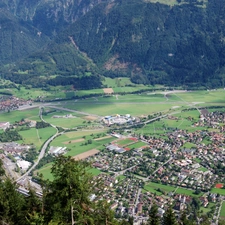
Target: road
{"type": "Point", "coordinates": [218, 214]}
{"type": "Point", "coordinates": [42, 152]}
{"type": "Point", "coordinates": [71, 110]}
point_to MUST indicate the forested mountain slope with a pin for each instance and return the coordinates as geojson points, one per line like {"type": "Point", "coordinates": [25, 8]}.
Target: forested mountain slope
{"type": "Point", "coordinates": [180, 44]}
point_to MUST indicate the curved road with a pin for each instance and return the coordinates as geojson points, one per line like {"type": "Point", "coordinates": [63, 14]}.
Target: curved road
{"type": "Point", "coordinates": [42, 152]}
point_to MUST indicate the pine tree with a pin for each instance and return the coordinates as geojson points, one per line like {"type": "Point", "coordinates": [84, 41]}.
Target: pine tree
{"type": "Point", "coordinates": [169, 217]}
{"type": "Point", "coordinates": [153, 217]}
{"type": "Point", "coordinates": [68, 195]}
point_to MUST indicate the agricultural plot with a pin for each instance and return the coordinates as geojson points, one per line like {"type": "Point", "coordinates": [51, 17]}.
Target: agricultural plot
{"type": "Point", "coordinates": [80, 142]}
{"type": "Point", "coordinates": [64, 122]}
{"type": "Point", "coordinates": [88, 92]}
{"type": "Point", "coordinates": [19, 115]}
{"type": "Point", "coordinates": [36, 136]}
{"type": "Point", "coordinates": [213, 96]}
{"type": "Point", "coordinates": [117, 82]}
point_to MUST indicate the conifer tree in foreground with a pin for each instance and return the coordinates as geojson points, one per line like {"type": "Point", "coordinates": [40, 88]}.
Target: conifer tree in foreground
{"type": "Point", "coordinates": [153, 216]}
{"type": "Point", "coordinates": [169, 217]}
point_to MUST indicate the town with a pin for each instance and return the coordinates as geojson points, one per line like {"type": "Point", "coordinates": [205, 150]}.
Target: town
{"type": "Point", "coordinates": [177, 167]}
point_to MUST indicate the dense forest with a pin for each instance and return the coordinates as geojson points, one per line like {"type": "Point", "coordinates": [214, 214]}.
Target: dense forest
{"type": "Point", "coordinates": [152, 43]}
{"type": "Point", "coordinates": [66, 200]}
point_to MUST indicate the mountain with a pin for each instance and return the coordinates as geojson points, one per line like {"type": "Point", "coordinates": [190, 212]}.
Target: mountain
{"type": "Point", "coordinates": [149, 41]}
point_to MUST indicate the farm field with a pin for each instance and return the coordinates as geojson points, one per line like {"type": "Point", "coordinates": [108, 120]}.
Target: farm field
{"type": "Point", "coordinates": [86, 142]}
{"type": "Point", "coordinates": [13, 116]}
{"type": "Point", "coordinates": [36, 136]}
{"type": "Point", "coordinates": [64, 122]}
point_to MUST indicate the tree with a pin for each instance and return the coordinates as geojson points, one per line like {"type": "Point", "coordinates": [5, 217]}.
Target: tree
{"type": "Point", "coordinates": [11, 204]}
{"type": "Point", "coordinates": [68, 195]}
{"type": "Point", "coordinates": [184, 220]}
{"type": "Point", "coordinates": [153, 217]}
{"type": "Point", "coordinates": [169, 217]}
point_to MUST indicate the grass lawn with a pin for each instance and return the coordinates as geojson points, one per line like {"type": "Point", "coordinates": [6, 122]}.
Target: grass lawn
{"type": "Point", "coordinates": [154, 186]}
{"type": "Point", "coordinates": [205, 210]}
{"type": "Point", "coordinates": [94, 171]}
{"type": "Point", "coordinates": [220, 191]}
{"type": "Point", "coordinates": [203, 169]}
{"type": "Point", "coordinates": [120, 177]}
{"type": "Point", "coordinates": [197, 160]}
{"type": "Point", "coordinates": [187, 192]}
{"type": "Point", "coordinates": [222, 212]}
{"type": "Point", "coordinates": [189, 145]}
{"type": "Point", "coordinates": [46, 171]}
{"type": "Point", "coordinates": [151, 189]}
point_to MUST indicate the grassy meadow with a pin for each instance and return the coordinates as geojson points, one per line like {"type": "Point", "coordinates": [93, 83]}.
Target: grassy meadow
{"type": "Point", "coordinates": [36, 136]}
{"type": "Point", "coordinates": [14, 116]}
{"type": "Point", "coordinates": [222, 212]}
{"type": "Point", "coordinates": [78, 142]}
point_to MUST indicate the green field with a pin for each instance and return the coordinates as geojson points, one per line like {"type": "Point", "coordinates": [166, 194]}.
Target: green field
{"type": "Point", "coordinates": [203, 169]}
{"type": "Point", "coordinates": [13, 116]}
{"type": "Point", "coordinates": [153, 187]}
{"type": "Point", "coordinates": [220, 191]}
{"type": "Point", "coordinates": [137, 145]}
{"type": "Point", "coordinates": [46, 171]}
{"type": "Point", "coordinates": [125, 142]}
{"type": "Point", "coordinates": [222, 212]}
{"type": "Point", "coordinates": [64, 122]}
{"type": "Point", "coordinates": [81, 145]}
{"type": "Point", "coordinates": [187, 192]}
{"type": "Point", "coordinates": [36, 136]}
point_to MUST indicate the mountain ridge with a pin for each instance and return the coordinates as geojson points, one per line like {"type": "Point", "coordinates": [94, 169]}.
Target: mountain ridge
{"type": "Point", "coordinates": [152, 43]}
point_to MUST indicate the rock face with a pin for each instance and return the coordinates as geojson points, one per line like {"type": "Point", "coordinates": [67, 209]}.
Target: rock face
{"type": "Point", "coordinates": [49, 16]}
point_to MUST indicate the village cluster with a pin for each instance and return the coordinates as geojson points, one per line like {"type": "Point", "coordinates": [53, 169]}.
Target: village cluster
{"type": "Point", "coordinates": [165, 161]}
{"type": "Point", "coordinates": [8, 103]}
{"type": "Point", "coordinates": [176, 167]}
